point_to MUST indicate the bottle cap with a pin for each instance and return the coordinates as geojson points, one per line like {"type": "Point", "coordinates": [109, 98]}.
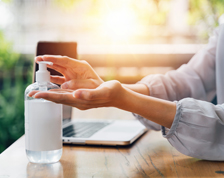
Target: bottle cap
{"type": "Point", "coordinates": [43, 75]}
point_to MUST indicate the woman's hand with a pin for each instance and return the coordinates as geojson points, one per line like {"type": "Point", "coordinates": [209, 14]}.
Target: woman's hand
{"type": "Point", "coordinates": [76, 74]}
{"type": "Point", "coordinates": [112, 93]}
{"type": "Point", "coordinates": [107, 94]}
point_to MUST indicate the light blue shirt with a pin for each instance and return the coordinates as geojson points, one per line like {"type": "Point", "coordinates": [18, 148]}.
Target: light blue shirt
{"type": "Point", "coordinates": [198, 126]}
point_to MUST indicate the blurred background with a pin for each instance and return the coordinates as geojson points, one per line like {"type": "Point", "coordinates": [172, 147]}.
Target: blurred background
{"type": "Point", "coordinates": [121, 39]}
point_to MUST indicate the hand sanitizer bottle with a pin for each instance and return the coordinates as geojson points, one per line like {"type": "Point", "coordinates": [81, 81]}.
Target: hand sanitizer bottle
{"type": "Point", "coordinates": [43, 121]}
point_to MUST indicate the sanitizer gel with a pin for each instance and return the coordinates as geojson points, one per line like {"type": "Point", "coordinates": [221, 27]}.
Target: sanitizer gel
{"type": "Point", "coordinates": [43, 121]}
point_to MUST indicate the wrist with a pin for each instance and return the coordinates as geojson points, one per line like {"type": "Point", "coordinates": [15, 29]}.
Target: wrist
{"type": "Point", "coordinates": [125, 99]}
{"type": "Point", "coordinates": [119, 99]}
{"type": "Point", "coordinates": [157, 110]}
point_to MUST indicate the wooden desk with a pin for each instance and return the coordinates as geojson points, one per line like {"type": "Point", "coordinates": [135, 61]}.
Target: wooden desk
{"type": "Point", "coordinates": [149, 156]}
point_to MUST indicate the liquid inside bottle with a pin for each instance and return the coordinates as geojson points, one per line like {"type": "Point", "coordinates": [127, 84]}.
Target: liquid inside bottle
{"type": "Point", "coordinates": [44, 157]}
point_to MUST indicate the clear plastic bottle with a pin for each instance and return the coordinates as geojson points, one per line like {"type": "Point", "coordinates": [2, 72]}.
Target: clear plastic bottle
{"type": "Point", "coordinates": [43, 122]}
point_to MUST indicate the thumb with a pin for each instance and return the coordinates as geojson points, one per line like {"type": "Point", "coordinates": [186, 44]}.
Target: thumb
{"type": "Point", "coordinates": [90, 94]}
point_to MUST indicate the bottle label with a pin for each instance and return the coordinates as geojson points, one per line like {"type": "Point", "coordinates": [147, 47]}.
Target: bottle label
{"type": "Point", "coordinates": [43, 125]}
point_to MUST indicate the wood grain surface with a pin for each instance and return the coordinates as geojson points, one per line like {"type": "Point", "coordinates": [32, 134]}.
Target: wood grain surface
{"type": "Point", "coordinates": [149, 156]}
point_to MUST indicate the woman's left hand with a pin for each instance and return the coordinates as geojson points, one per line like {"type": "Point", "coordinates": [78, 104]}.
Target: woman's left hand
{"type": "Point", "coordinates": [112, 93]}
{"type": "Point", "coordinates": [107, 94]}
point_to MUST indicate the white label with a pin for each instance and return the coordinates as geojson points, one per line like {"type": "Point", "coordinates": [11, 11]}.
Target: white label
{"type": "Point", "coordinates": [43, 125]}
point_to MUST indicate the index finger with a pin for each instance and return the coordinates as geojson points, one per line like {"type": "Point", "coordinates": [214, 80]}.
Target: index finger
{"type": "Point", "coordinates": [59, 60]}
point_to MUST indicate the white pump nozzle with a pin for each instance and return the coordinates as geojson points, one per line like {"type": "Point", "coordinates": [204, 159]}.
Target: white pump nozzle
{"type": "Point", "coordinates": [43, 75]}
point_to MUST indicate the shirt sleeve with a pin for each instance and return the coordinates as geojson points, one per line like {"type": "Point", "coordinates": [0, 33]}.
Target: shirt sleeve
{"type": "Point", "coordinates": [196, 79]}
{"type": "Point", "coordinates": [198, 129]}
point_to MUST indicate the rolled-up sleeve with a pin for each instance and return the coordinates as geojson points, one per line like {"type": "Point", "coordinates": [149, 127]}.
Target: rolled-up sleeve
{"type": "Point", "coordinates": [195, 79]}
{"type": "Point", "coordinates": [197, 129]}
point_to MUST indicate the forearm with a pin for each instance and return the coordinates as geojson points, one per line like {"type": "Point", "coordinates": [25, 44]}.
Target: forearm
{"type": "Point", "coordinates": [157, 110]}
{"type": "Point", "coordinates": [139, 88]}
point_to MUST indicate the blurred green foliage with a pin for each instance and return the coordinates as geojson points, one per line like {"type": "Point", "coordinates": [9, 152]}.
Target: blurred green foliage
{"type": "Point", "coordinates": [206, 11]}
{"type": "Point", "coordinates": [15, 75]}
{"type": "Point", "coordinates": [8, 58]}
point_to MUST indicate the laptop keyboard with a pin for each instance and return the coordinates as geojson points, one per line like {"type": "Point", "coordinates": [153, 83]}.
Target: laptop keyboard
{"type": "Point", "coordinates": [83, 129]}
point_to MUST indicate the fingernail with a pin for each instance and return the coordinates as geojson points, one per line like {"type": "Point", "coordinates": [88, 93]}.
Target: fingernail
{"type": "Point", "coordinates": [64, 85]}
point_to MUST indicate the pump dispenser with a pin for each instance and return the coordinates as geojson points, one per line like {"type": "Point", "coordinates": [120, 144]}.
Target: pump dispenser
{"type": "Point", "coordinates": [43, 121]}
{"type": "Point", "coordinates": [43, 75]}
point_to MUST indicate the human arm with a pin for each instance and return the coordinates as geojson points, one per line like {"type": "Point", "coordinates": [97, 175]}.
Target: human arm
{"type": "Point", "coordinates": [198, 129]}
{"type": "Point", "coordinates": [195, 79]}
{"type": "Point", "coordinates": [113, 94]}
{"type": "Point", "coordinates": [193, 127]}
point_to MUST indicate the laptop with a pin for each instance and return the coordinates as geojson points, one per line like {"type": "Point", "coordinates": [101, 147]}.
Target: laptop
{"type": "Point", "coordinates": [90, 131]}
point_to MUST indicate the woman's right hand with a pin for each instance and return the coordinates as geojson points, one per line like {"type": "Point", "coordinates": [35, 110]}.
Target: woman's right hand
{"type": "Point", "coordinates": [76, 73]}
